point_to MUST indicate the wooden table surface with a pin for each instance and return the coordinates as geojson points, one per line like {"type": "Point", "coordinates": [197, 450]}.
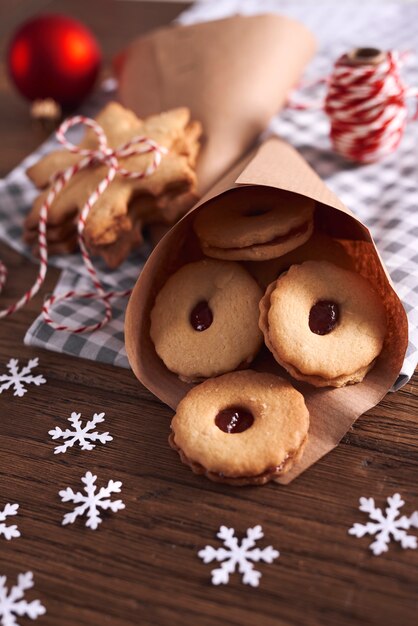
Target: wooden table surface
{"type": "Point", "coordinates": [141, 566]}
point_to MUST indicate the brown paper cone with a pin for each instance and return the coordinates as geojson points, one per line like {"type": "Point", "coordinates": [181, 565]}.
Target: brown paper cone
{"type": "Point", "coordinates": [278, 166]}
{"type": "Point", "coordinates": [234, 74]}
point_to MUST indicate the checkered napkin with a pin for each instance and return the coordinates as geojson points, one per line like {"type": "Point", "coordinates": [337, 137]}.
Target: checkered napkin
{"type": "Point", "coordinates": [107, 345]}
{"type": "Point", "coordinates": [384, 195]}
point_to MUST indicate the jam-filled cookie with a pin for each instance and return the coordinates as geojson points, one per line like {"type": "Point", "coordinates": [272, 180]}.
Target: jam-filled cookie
{"type": "Point", "coordinates": [325, 325]}
{"type": "Point", "coordinates": [205, 319]}
{"type": "Point", "coordinates": [242, 428]}
{"type": "Point", "coordinates": [319, 247]}
{"type": "Point", "coordinates": [257, 225]}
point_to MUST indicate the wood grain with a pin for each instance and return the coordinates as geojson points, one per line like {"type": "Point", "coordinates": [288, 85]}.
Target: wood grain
{"type": "Point", "coordinates": [141, 566]}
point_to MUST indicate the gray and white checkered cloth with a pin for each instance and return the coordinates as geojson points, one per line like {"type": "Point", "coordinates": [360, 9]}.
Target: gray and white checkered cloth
{"type": "Point", "coordinates": [383, 195]}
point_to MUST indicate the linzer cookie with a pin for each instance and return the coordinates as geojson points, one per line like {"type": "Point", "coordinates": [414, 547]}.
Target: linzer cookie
{"type": "Point", "coordinates": [319, 247]}
{"type": "Point", "coordinates": [205, 319]}
{"type": "Point", "coordinates": [115, 222]}
{"type": "Point", "coordinates": [243, 428]}
{"type": "Point", "coordinates": [325, 325]}
{"type": "Point", "coordinates": [257, 226]}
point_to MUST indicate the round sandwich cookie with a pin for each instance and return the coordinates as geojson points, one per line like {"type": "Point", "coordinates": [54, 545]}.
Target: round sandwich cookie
{"type": "Point", "coordinates": [319, 247]}
{"type": "Point", "coordinates": [205, 320]}
{"type": "Point", "coordinates": [324, 324]}
{"type": "Point", "coordinates": [255, 225]}
{"type": "Point", "coordinates": [242, 428]}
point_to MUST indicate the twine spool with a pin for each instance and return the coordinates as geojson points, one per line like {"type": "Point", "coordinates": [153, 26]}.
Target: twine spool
{"type": "Point", "coordinates": [366, 102]}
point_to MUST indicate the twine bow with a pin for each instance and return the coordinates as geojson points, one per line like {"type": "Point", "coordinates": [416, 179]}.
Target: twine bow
{"type": "Point", "coordinates": [106, 156]}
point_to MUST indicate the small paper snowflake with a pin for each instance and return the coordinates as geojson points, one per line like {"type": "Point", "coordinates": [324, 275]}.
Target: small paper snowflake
{"type": "Point", "coordinates": [9, 532]}
{"type": "Point", "coordinates": [85, 436]}
{"type": "Point", "coordinates": [16, 378]}
{"type": "Point", "coordinates": [238, 555]}
{"type": "Point", "coordinates": [12, 604]}
{"type": "Point", "coordinates": [92, 502]}
{"type": "Point", "coordinates": [385, 526]}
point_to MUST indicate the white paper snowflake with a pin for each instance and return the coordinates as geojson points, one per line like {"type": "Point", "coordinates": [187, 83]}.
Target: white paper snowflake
{"type": "Point", "coordinates": [9, 532]}
{"type": "Point", "coordinates": [92, 502]}
{"type": "Point", "coordinates": [234, 555]}
{"type": "Point", "coordinates": [84, 435]}
{"type": "Point", "coordinates": [12, 604]}
{"type": "Point", "coordinates": [17, 378]}
{"type": "Point", "coordinates": [386, 525]}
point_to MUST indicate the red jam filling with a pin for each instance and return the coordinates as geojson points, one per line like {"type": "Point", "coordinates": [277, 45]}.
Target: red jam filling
{"type": "Point", "coordinates": [256, 212]}
{"type": "Point", "coordinates": [201, 316]}
{"type": "Point", "coordinates": [323, 317]}
{"type": "Point", "coordinates": [234, 419]}
{"type": "Point", "coordinates": [293, 232]}
{"type": "Point", "coordinates": [298, 230]}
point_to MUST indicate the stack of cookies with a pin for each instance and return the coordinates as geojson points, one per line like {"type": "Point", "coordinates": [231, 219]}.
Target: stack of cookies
{"type": "Point", "coordinates": [267, 279]}
{"type": "Point", "coordinates": [115, 223]}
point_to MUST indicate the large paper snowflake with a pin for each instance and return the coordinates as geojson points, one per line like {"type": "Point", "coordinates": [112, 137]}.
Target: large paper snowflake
{"type": "Point", "coordinates": [85, 436]}
{"type": "Point", "coordinates": [12, 603]}
{"type": "Point", "coordinates": [17, 378]}
{"type": "Point", "coordinates": [92, 501]}
{"type": "Point", "coordinates": [9, 532]}
{"type": "Point", "coordinates": [385, 526]}
{"type": "Point", "coordinates": [241, 555]}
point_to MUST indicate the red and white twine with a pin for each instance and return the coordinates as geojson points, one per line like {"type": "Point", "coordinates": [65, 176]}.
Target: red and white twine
{"type": "Point", "coordinates": [106, 156]}
{"type": "Point", "coordinates": [367, 107]}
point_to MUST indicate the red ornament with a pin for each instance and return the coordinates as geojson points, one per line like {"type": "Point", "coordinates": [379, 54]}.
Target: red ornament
{"type": "Point", "coordinates": [54, 56]}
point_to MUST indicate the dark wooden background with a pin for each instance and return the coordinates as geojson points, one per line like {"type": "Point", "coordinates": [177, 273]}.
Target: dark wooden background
{"type": "Point", "coordinates": [141, 566]}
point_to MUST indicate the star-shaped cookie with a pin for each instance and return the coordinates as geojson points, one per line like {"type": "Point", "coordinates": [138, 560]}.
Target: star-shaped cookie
{"type": "Point", "coordinates": [115, 222]}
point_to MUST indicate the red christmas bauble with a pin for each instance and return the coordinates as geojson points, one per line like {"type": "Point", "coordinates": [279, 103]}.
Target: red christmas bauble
{"type": "Point", "coordinates": [54, 56]}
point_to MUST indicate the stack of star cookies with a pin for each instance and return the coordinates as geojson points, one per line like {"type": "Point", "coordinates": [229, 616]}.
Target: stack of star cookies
{"type": "Point", "coordinates": [116, 221]}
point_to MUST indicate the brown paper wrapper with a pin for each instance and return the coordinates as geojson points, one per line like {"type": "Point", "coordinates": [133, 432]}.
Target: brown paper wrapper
{"type": "Point", "coordinates": [234, 75]}
{"type": "Point", "coordinates": [276, 165]}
